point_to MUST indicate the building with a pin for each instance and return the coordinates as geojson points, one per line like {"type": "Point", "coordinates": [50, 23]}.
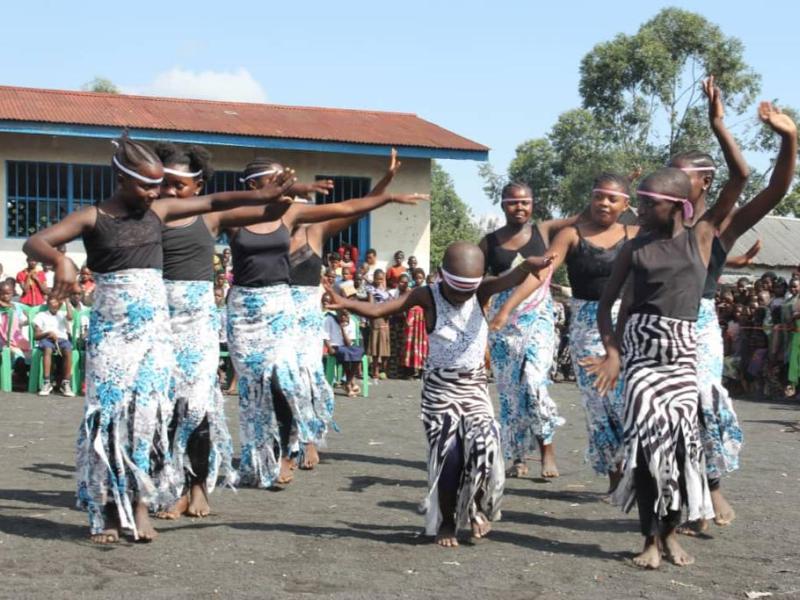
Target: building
{"type": "Point", "coordinates": [780, 251]}
{"type": "Point", "coordinates": [55, 156]}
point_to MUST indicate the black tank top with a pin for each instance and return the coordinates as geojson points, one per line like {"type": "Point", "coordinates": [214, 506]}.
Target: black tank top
{"type": "Point", "coordinates": [305, 266]}
{"type": "Point", "coordinates": [499, 259]}
{"type": "Point", "coordinates": [716, 265]}
{"type": "Point", "coordinates": [260, 259]}
{"type": "Point", "coordinates": [668, 276]}
{"type": "Point", "coordinates": [188, 252]}
{"type": "Point", "coordinates": [589, 267]}
{"type": "Point", "coordinates": [118, 243]}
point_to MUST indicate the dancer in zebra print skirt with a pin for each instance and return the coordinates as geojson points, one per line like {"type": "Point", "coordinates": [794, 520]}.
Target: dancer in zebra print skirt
{"type": "Point", "coordinates": [465, 461]}
{"type": "Point", "coordinates": [664, 465]}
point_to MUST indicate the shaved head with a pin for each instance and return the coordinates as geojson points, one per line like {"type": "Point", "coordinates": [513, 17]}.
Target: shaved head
{"type": "Point", "coordinates": [463, 259]}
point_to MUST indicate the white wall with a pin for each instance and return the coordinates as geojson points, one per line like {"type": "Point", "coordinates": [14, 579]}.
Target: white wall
{"type": "Point", "coordinates": [393, 227]}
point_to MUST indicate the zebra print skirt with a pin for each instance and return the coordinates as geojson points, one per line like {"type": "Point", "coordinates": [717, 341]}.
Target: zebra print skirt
{"type": "Point", "coordinates": [661, 413]}
{"type": "Point", "coordinates": [457, 413]}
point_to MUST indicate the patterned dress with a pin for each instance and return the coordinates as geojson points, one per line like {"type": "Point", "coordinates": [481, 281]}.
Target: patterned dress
{"type": "Point", "coordinates": [127, 408]}
{"type": "Point", "coordinates": [457, 414]}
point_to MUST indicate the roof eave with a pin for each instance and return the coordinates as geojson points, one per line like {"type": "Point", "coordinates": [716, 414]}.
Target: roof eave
{"type": "Point", "coordinates": [241, 141]}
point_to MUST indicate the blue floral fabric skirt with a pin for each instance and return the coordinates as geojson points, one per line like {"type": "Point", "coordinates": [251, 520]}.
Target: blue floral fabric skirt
{"type": "Point", "coordinates": [605, 414]}
{"type": "Point", "coordinates": [127, 408]}
{"type": "Point", "coordinates": [522, 355]}
{"type": "Point", "coordinates": [262, 338]}
{"type": "Point", "coordinates": [194, 386]}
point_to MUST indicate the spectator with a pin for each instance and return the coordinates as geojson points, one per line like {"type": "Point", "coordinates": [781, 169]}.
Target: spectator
{"type": "Point", "coordinates": [17, 338]}
{"type": "Point", "coordinates": [412, 263]}
{"type": "Point", "coordinates": [340, 335]}
{"type": "Point", "coordinates": [370, 265]}
{"type": "Point", "coordinates": [379, 339]}
{"type": "Point", "coordinates": [348, 260]}
{"type": "Point", "coordinates": [417, 278]}
{"type": "Point", "coordinates": [397, 327]}
{"type": "Point", "coordinates": [394, 272]}
{"type": "Point", "coordinates": [51, 330]}
{"type": "Point", "coordinates": [32, 283]}
{"type": "Point", "coordinates": [87, 285]}
{"type": "Point", "coordinates": [77, 304]}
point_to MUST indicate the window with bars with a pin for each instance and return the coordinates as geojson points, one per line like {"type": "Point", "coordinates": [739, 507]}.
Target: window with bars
{"type": "Point", "coordinates": [345, 188]}
{"type": "Point", "coordinates": [40, 194]}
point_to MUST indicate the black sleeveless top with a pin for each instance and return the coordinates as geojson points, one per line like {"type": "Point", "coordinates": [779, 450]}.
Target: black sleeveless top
{"type": "Point", "coordinates": [305, 266]}
{"type": "Point", "coordinates": [260, 259]}
{"type": "Point", "coordinates": [499, 259]}
{"type": "Point", "coordinates": [589, 267]}
{"type": "Point", "coordinates": [716, 264]}
{"type": "Point", "coordinates": [188, 252]}
{"type": "Point", "coordinates": [668, 276]}
{"type": "Point", "coordinates": [118, 243]}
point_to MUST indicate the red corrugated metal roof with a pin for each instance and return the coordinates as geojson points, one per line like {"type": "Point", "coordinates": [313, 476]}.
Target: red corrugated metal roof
{"type": "Point", "coordinates": [233, 118]}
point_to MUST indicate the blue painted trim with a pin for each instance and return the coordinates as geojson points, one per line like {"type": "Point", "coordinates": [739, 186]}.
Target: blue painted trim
{"type": "Point", "coordinates": [241, 141]}
{"type": "Point", "coordinates": [364, 235]}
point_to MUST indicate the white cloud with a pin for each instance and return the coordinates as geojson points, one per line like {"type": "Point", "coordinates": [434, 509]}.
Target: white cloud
{"type": "Point", "coordinates": [236, 85]}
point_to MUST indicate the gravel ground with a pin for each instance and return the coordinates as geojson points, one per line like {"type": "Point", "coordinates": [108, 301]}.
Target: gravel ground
{"type": "Point", "coordinates": [350, 529]}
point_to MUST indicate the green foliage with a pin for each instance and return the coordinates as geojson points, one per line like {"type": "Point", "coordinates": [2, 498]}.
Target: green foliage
{"type": "Point", "coordinates": [451, 219]}
{"type": "Point", "coordinates": [101, 84]}
{"type": "Point", "coordinates": [642, 103]}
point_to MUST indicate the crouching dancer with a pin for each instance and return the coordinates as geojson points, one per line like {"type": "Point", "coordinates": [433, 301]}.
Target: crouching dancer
{"type": "Point", "coordinates": [465, 462]}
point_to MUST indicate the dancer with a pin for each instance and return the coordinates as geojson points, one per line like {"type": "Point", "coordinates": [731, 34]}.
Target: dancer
{"type": "Point", "coordinates": [722, 435]}
{"type": "Point", "coordinates": [465, 463]}
{"type": "Point", "coordinates": [276, 412]}
{"type": "Point", "coordinates": [521, 337]}
{"type": "Point", "coordinates": [305, 259]}
{"type": "Point", "coordinates": [664, 467]}
{"type": "Point", "coordinates": [129, 357]}
{"type": "Point", "coordinates": [589, 249]}
{"type": "Point", "coordinates": [200, 443]}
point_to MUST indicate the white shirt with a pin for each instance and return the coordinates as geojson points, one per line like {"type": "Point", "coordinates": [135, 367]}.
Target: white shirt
{"type": "Point", "coordinates": [52, 323]}
{"type": "Point", "coordinates": [333, 331]}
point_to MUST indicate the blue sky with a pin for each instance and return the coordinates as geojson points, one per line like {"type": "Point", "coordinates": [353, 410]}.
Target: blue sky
{"type": "Point", "coordinates": [498, 73]}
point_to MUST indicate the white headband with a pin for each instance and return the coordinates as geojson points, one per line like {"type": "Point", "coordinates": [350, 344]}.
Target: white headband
{"type": "Point", "coordinates": [689, 169]}
{"type": "Point", "coordinates": [461, 284]}
{"type": "Point", "coordinates": [134, 174]}
{"type": "Point", "coordinates": [522, 199]}
{"type": "Point", "coordinates": [259, 174]}
{"type": "Point", "coordinates": [183, 173]}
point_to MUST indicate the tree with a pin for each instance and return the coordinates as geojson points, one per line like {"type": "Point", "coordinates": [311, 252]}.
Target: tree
{"type": "Point", "coordinates": [642, 103]}
{"type": "Point", "coordinates": [100, 84]}
{"type": "Point", "coordinates": [451, 219]}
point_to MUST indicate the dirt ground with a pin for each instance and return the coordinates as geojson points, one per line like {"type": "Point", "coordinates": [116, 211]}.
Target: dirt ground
{"type": "Point", "coordinates": [351, 528]}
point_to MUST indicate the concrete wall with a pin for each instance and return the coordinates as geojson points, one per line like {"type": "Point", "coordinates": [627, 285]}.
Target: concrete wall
{"type": "Point", "coordinates": [393, 227]}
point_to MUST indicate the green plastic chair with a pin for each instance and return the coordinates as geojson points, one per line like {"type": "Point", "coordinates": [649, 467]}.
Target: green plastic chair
{"type": "Point", "coordinates": [78, 354]}
{"type": "Point", "coordinates": [5, 354]}
{"type": "Point", "coordinates": [36, 375]}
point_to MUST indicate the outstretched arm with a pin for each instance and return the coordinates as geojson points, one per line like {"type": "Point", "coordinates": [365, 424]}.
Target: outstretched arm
{"type": "Point", "coordinates": [780, 181]}
{"type": "Point", "coordinates": [522, 273]}
{"type": "Point", "coordinates": [303, 213]}
{"type": "Point", "coordinates": [738, 171]}
{"type": "Point", "coordinates": [374, 310]}
{"type": "Point", "coordinates": [607, 368]}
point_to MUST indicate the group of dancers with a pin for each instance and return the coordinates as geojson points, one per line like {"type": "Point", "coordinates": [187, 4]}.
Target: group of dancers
{"type": "Point", "coordinates": [154, 438]}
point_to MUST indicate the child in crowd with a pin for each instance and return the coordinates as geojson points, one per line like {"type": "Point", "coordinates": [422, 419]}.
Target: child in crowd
{"type": "Point", "coordinates": [417, 278]}
{"type": "Point", "coordinates": [51, 331]}
{"type": "Point", "coordinates": [14, 334]}
{"type": "Point", "coordinates": [32, 283]}
{"type": "Point", "coordinates": [394, 272]}
{"type": "Point", "coordinates": [380, 346]}
{"type": "Point", "coordinates": [340, 336]}
{"type": "Point", "coordinates": [370, 265]}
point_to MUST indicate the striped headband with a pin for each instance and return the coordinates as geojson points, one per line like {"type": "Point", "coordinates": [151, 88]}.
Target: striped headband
{"type": "Point", "coordinates": [690, 169]}
{"type": "Point", "coordinates": [522, 199]}
{"type": "Point", "coordinates": [688, 209]}
{"type": "Point", "coordinates": [259, 174]}
{"type": "Point", "coordinates": [610, 192]}
{"type": "Point", "coordinates": [183, 173]}
{"type": "Point", "coordinates": [134, 174]}
{"type": "Point", "coordinates": [461, 284]}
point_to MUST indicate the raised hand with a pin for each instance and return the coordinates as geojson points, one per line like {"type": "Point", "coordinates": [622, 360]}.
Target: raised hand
{"type": "Point", "coordinates": [605, 368]}
{"type": "Point", "coordinates": [778, 121]}
{"type": "Point", "coordinates": [336, 300]}
{"type": "Point", "coordinates": [716, 110]}
{"type": "Point", "coordinates": [752, 252]}
{"type": "Point", "coordinates": [66, 274]}
{"type": "Point", "coordinates": [277, 191]}
{"type": "Point", "coordinates": [323, 186]}
{"type": "Point", "coordinates": [394, 164]}
{"type": "Point", "coordinates": [411, 199]}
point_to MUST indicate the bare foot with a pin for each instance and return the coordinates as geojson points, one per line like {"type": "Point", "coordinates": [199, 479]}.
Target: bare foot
{"type": "Point", "coordinates": [198, 507]}
{"type": "Point", "coordinates": [176, 510]}
{"type": "Point", "coordinates": [109, 535]}
{"type": "Point", "coordinates": [549, 469]}
{"type": "Point", "coordinates": [310, 457]}
{"type": "Point", "coordinates": [693, 528]}
{"type": "Point", "coordinates": [518, 469]}
{"type": "Point", "coordinates": [480, 526]}
{"type": "Point", "coordinates": [446, 538]}
{"type": "Point", "coordinates": [285, 477]}
{"type": "Point", "coordinates": [144, 528]}
{"type": "Point", "coordinates": [650, 557]}
{"type": "Point", "coordinates": [675, 553]}
{"type": "Point", "coordinates": [723, 511]}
